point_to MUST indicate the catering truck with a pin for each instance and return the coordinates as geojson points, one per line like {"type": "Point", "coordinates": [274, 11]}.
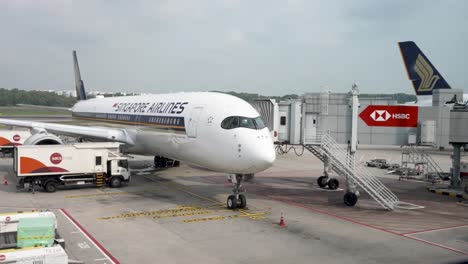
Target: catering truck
{"type": "Point", "coordinates": [31, 238]}
{"type": "Point", "coordinates": [11, 138]}
{"type": "Point", "coordinates": [78, 164]}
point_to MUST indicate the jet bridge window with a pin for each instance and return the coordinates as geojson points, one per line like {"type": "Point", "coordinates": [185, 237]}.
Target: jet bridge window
{"type": "Point", "coordinates": [240, 121]}
{"type": "Point", "coordinates": [283, 121]}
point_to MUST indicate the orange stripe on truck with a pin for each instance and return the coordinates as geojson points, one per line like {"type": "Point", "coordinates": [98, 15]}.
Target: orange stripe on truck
{"type": "Point", "coordinates": [28, 165]}
{"type": "Point", "coordinates": [4, 142]}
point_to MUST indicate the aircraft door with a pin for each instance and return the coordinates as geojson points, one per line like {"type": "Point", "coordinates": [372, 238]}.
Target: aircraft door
{"type": "Point", "coordinates": [310, 127]}
{"type": "Point", "coordinates": [193, 122]}
{"type": "Point", "coordinates": [283, 129]}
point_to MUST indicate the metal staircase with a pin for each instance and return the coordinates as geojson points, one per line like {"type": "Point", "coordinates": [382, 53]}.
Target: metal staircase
{"type": "Point", "coordinates": [343, 164]}
{"type": "Point", "coordinates": [411, 154]}
{"type": "Point", "coordinates": [317, 151]}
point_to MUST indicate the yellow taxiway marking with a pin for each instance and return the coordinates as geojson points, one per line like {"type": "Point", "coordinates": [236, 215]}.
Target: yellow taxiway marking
{"type": "Point", "coordinates": [187, 211]}
{"type": "Point", "coordinates": [106, 194]}
{"type": "Point", "coordinates": [175, 212]}
{"type": "Point", "coordinates": [256, 216]}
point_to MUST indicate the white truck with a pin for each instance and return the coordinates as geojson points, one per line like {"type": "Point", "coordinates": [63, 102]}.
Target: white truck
{"type": "Point", "coordinates": [78, 164]}
{"type": "Point", "coordinates": [11, 250]}
{"type": "Point", "coordinates": [11, 138]}
{"type": "Point", "coordinates": [43, 255]}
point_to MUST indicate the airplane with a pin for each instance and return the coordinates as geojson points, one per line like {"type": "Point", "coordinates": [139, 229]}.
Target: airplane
{"type": "Point", "coordinates": [422, 74]}
{"type": "Point", "coordinates": [215, 131]}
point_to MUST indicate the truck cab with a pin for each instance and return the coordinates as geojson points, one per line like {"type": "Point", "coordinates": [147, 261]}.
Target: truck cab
{"type": "Point", "coordinates": [117, 171]}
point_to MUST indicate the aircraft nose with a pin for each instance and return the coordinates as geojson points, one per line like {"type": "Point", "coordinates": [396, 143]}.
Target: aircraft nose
{"type": "Point", "coordinates": [265, 156]}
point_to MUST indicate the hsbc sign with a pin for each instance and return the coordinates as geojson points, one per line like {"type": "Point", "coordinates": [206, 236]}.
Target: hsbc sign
{"type": "Point", "coordinates": [390, 115]}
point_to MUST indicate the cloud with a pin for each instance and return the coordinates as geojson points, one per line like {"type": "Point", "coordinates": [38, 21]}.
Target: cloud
{"type": "Point", "coordinates": [269, 46]}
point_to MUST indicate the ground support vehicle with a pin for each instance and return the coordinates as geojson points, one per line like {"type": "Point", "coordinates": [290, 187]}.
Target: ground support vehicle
{"type": "Point", "coordinates": [78, 164]}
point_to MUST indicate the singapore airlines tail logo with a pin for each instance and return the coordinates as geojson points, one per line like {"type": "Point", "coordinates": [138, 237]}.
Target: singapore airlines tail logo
{"type": "Point", "coordinates": [426, 74]}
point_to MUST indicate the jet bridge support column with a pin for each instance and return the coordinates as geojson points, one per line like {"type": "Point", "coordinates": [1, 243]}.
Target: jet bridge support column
{"type": "Point", "coordinates": [455, 181]}
{"type": "Point", "coordinates": [458, 137]}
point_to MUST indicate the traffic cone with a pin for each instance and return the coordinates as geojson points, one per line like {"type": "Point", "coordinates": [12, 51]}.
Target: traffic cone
{"type": "Point", "coordinates": [5, 181]}
{"type": "Point", "coordinates": [282, 223]}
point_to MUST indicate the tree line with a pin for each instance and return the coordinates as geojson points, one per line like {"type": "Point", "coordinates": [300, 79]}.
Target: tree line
{"type": "Point", "coordinates": [11, 97]}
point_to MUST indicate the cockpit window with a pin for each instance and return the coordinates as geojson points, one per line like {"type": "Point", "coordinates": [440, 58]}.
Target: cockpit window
{"type": "Point", "coordinates": [230, 122]}
{"type": "Point", "coordinates": [259, 123]}
{"type": "Point", "coordinates": [247, 122]}
{"type": "Point", "coordinates": [241, 121]}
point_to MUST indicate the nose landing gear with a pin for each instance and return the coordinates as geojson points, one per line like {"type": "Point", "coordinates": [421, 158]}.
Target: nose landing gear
{"type": "Point", "coordinates": [237, 200]}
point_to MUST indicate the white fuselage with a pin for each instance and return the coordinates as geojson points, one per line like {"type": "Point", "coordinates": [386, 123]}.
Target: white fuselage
{"type": "Point", "coordinates": [426, 100]}
{"type": "Point", "coordinates": [186, 127]}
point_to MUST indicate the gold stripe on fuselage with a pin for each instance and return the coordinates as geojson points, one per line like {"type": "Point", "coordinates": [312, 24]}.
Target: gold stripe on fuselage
{"type": "Point", "coordinates": [130, 123]}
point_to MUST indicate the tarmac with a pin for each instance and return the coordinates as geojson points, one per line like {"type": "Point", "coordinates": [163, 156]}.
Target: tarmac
{"type": "Point", "coordinates": [178, 215]}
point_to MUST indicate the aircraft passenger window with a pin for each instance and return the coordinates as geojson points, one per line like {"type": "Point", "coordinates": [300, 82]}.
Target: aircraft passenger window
{"type": "Point", "coordinates": [283, 121]}
{"type": "Point", "coordinates": [247, 122]}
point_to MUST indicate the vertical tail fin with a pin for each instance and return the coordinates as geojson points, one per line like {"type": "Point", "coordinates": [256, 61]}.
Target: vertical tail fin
{"type": "Point", "coordinates": [79, 85]}
{"type": "Point", "coordinates": [423, 75]}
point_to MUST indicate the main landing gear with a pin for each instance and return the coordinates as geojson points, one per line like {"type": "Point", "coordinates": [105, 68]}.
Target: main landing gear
{"type": "Point", "coordinates": [162, 162]}
{"type": "Point", "coordinates": [237, 200]}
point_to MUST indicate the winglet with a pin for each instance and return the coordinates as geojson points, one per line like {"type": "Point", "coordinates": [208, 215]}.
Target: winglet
{"type": "Point", "coordinates": [423, 75]}
{"type": "Point", "coordinates": [79, 85]}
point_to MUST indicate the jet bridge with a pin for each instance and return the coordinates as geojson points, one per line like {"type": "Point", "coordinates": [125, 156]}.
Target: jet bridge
{"type": "Point", "coordinates": [335, 148]}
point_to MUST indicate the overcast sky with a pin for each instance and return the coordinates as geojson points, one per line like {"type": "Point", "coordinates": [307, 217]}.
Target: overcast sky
{"type": "Point", "coordinates": [272, 47]}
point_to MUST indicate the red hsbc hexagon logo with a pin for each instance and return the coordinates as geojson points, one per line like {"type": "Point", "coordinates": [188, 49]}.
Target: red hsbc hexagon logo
{"type": "Point", "coordinates": [56, 158]}
{"type": "Point", "coordinates": [390, 115]}
{"type": "Point", "coordinates": [16, 137]}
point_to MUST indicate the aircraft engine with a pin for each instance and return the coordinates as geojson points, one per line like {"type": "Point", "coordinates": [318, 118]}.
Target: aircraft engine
{"type": "Point", "coordinates": [43, 139]}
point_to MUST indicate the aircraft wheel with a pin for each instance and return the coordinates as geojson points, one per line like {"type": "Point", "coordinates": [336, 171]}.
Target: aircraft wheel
{"type": "Point", "coordinates": [242, 202]}
{"type": "Point", "coordinates": [322, 181]}
{"type": "Point", "coordinates": [232, 202]}
{"type": "Point", "coordinates": [333, 184]}
{"type": "Point", "coordinates": [350, 199]}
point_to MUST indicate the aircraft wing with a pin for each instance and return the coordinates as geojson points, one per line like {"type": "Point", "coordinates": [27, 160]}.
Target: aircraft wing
{"type": "Point", "coordinates": [112, 134]}
{"type": "Point", "coordinates": [46, 107]}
